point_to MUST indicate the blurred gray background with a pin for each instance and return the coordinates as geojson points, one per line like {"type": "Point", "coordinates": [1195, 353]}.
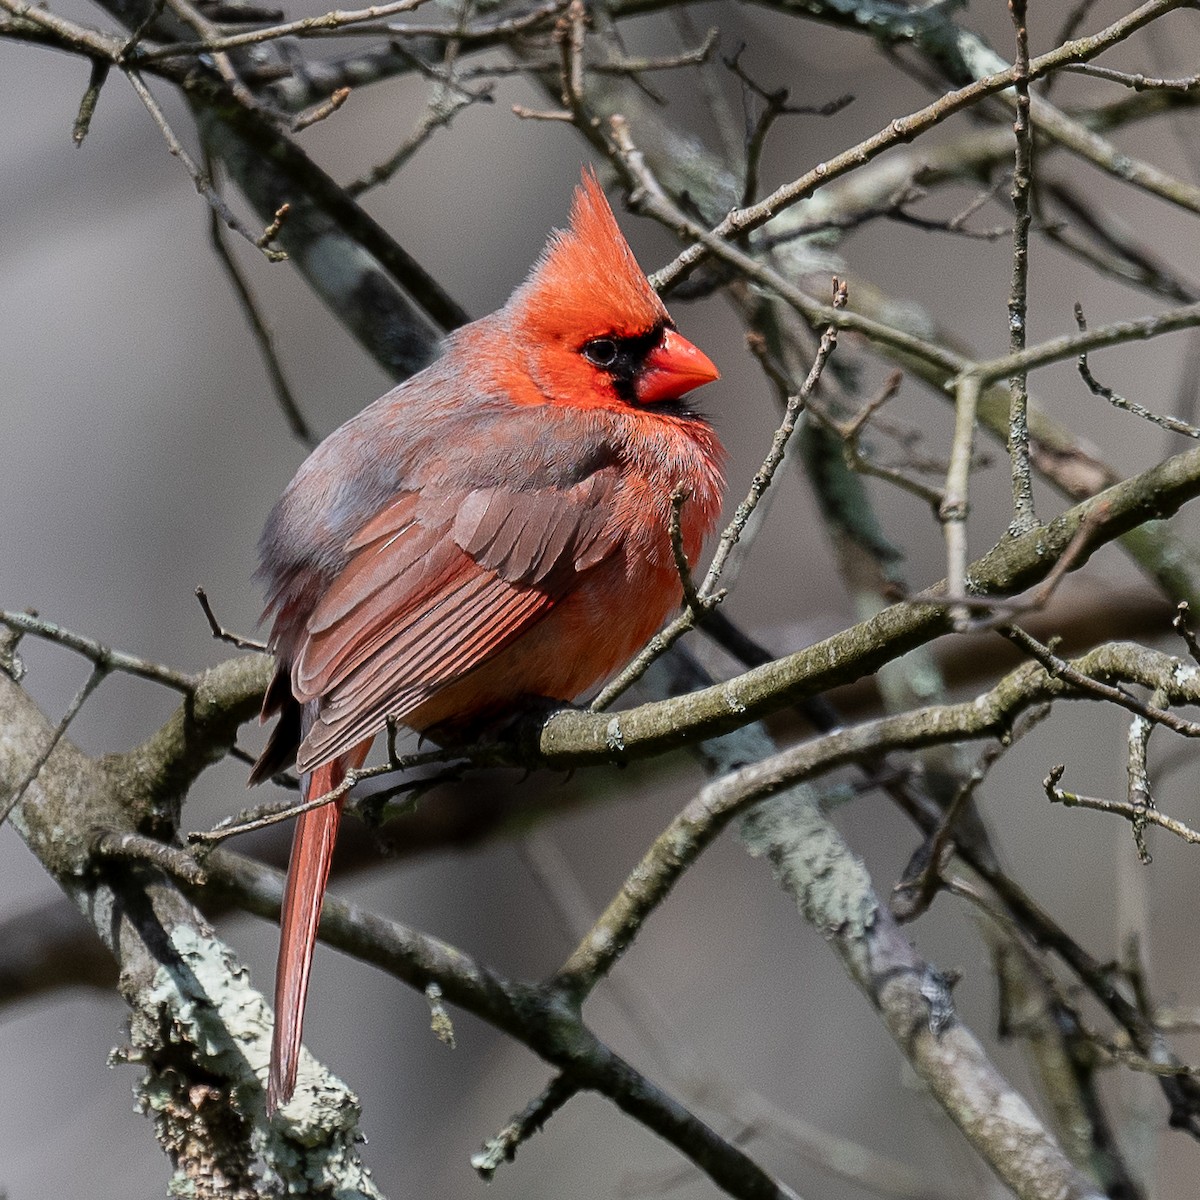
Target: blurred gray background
{"type": "Point", "coordinates": [141, 449]}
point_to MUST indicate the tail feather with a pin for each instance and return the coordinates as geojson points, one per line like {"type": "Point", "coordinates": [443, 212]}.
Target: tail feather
{"type": "Point", "coordinates": [308, 872]}
{"type": "Point", "coordinates": [280, 751]}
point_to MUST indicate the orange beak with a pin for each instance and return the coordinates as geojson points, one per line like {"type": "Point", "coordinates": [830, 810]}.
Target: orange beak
{"type": "Point", "coordinates": [672, 369]}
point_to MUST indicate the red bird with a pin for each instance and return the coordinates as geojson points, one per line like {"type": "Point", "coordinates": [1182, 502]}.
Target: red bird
{"type": "Point", "coordinates": [496, 528]}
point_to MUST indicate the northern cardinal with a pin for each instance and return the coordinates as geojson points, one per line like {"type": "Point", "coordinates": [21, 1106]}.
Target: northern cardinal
{"type": "Point", "coordinates": [495, 529]}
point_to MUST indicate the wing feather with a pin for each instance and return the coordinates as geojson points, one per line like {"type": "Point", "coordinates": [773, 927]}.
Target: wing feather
{"type": "Point", "coordinates": [404, 682]}
{"type": "Point", "coordinates": [434, 585]}
{"type": "Point", "coordinates": [395, 516]}
{"type": "Point", "coordinates": [392, 686]}
{"type": "Point", "coordinates": [396, 617]}
{"type": "Point", "coordinates": [526, 535]}
{"type": "Point", "coordinates": [427, 648]}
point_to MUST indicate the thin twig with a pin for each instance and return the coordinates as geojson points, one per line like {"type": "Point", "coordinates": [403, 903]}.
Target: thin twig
{"type": "Point", "coordinates": [304, 27]}
{"type": "Point", "coordinates": [574, 738]}
{"type": "Point", "coordinates": [1137, 81]}
{"type": "Point", "coordinates": [1118, 401]}
{"type": "Point", "coordinates": [999, 610]}
{"type": "Point", "coordinates": [775, 105]}
{"type": "Point", "coordinates": [691, 598]}
{"type": "Point", "coordinates": [1138, 778]}
{"type": "Point", "coordinates": [87, 106]}
{"type": "Point", "coordinates": [205, 29]}
{"type": "Point", "coordinates": [851, 431]}
{"type": "Point", "coordinates": [1185, 316]}
{"type": "Point", "coordinates": [1120, 253]}
{"type": "Point", "coordinates": [991, 714]}
{"type": "Point", "coordinates": [668, 62]}
{"type": "Point", "coordinates": [221, 633]}
{"type": "Point", "coordinates": [1180, 624]}
{"type": "Point", "coordinates": [1102, 153]}
{"type": "Point", "coordinates": [753, 1114]}
{"type": "Point", "coordinates": [271, 232]}
{"type": "Point", "coordinates": [97, 653]}
{"type": "Point", "coordinates": [97, 676]}
{"type": "Point", "coordinates": [318, 112]}
{"type": "Point", "coordinates": [1133, 813]}
{"type": "Point", "coordinates": [766, 473]}
{"type": "Point", "coordinates": [438, 114]}
{"type": "Point", "coordinates": [1059, 668]}
{"type": "Point", "coordinates": [938, 357]}
{"type": "Point", "coordinates": [955, 505]}
{"type": "Point", "coordinates": [202, 182]}
{"type": "Point", "coordinates": [921, 879]}
{"type": "Point", "coordinates": [904, 129]}
{"type": "Point", "coordinates": [539, 114]}
{"type": "Point", "coordinates": [263, 816]}
{"type": "Point", "coordinates": [526, 1012]}
{"type": "Point", "coordinates": [141, 29]}
{"type": "Point", "coordinates": [1042, 596]}
{"type": "Point", "coordinates": [1024, 517]}
{"type": "Point", "coordinates": [503, 1147]}
{"type": "Point", "coordinates": [955, 224]}
{"type": "Point", "coordinates": [263, 336]}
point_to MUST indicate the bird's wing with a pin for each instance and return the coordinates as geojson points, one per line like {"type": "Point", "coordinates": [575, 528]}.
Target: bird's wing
{"type": "Point", "coordinates": [436, 584]}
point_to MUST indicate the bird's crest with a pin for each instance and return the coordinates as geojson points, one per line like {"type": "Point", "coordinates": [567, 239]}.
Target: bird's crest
{"type": "Point", "coordinates": [587, 281]}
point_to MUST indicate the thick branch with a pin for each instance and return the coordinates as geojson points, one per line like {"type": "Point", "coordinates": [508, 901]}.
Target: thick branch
{"type": "Point", "coordinates": [539, 1018]}
{"type": "Point", "coordinates": [574, 738]}
{"type": "Point", "coordinates": [197, 1027]}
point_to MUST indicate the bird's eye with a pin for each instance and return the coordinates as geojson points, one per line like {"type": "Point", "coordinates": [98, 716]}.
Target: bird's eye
{"type": "Point", "coordinates": [601, 352]}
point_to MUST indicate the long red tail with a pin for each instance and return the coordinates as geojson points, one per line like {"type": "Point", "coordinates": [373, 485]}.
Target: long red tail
{"type": "Point", "coordinates": [308, 872]}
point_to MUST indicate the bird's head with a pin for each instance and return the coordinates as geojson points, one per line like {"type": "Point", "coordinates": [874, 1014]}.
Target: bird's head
{"type": "Point", "coordinates": [595, 333]}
